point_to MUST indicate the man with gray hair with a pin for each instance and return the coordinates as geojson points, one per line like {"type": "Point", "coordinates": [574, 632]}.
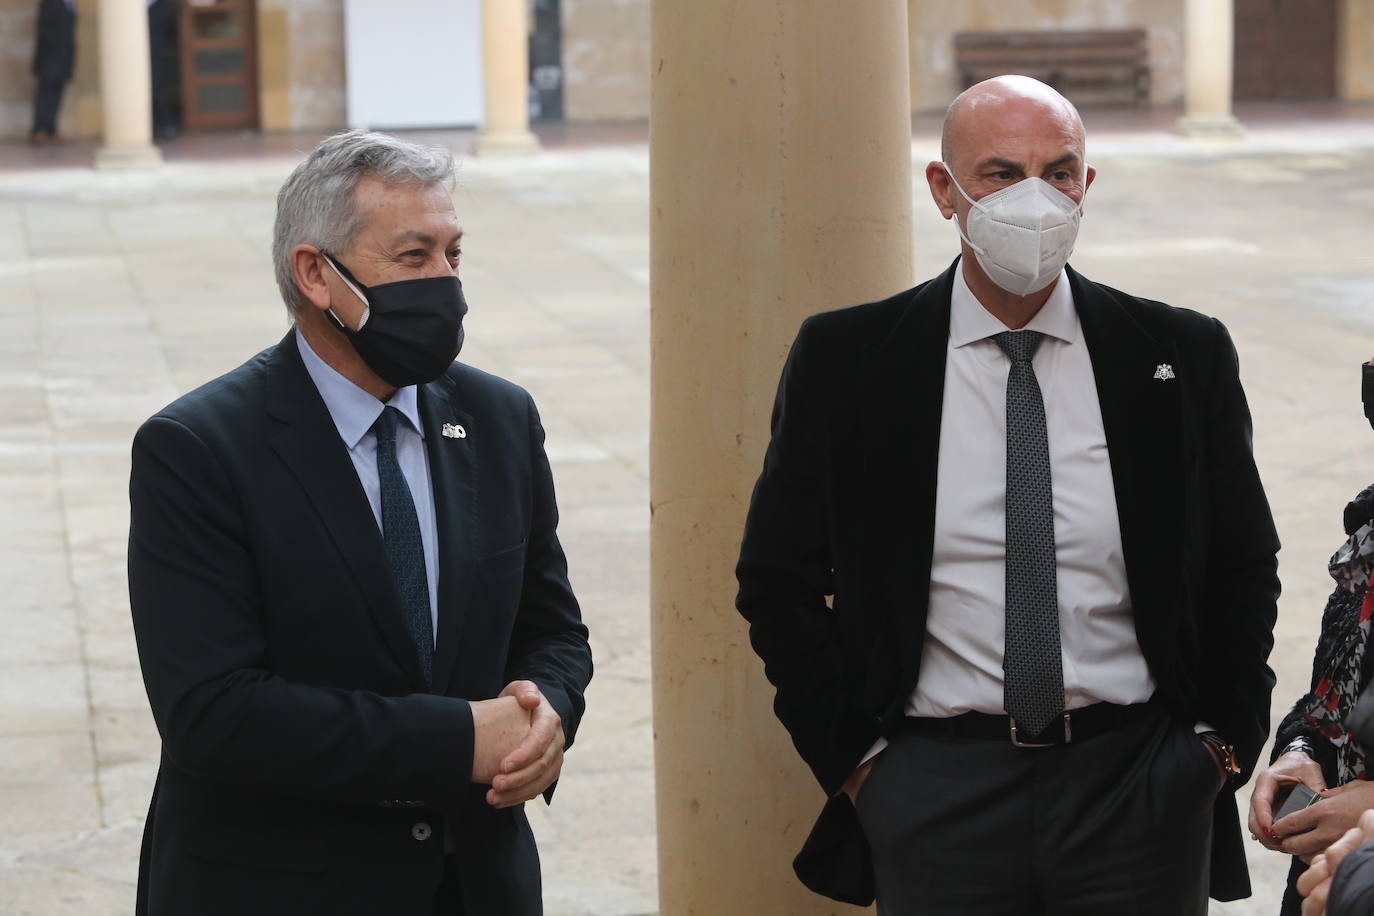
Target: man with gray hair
{"type": "Point", "coordinates": [352, 609]}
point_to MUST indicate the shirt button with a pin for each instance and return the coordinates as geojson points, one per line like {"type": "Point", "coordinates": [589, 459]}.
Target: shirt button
{"type": "Point", "coordinates": [422, 831]}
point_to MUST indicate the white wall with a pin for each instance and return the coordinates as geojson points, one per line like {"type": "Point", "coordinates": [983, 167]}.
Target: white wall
{"type": "Point", "coordinates": [413, 63]}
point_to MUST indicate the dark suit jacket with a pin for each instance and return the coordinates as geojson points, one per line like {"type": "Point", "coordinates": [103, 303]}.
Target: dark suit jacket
{"type": "Point", "coordinates": [845, 507]}
{"type": "Point", "coordinates": [54, 52]}
{"type": "Point", "coordinates": [301, 753]}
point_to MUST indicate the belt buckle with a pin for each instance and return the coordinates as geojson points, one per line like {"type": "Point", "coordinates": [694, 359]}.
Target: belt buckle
{"type": "Point", "coordinates": [1017, 742]}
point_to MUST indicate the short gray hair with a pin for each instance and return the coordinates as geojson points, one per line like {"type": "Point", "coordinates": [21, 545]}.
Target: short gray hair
{"type": "Point", "coordinates": [316, 204]}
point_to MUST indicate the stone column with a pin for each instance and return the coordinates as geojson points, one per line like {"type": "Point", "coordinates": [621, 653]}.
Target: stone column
{"type": "Point", "coordinates": [1208, 46]}
{"type": "Point", "coordinates": [505, 77]}
{"type": "Point", "coordinates": [126, 87]}
{"type": "Point", "coordinates": [1355, 51]}
{"type": "Point", "coordinates": [780, 164]}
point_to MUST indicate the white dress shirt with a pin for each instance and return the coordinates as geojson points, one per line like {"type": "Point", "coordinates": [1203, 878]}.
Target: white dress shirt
{"type": "Point", "coordinates": [354, 411]}
{"type": "Point", "coordinates": [961, 661]}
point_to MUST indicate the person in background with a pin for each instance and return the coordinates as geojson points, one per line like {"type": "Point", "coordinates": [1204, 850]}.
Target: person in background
{"type": "Point", "coordinates": [1323, 740]}
{"type": "Point", "coordinates": [1341, 880]}
{"type": "Point", "coordinates": [162, 48]}
{"type": "Point", "coordinates": [54, 60]}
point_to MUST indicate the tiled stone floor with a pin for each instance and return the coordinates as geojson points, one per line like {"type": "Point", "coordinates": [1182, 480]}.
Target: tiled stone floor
{"type": "Point", "coordinates": [118, 291]}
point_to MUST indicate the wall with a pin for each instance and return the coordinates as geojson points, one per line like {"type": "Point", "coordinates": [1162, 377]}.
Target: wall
{"type": "Point", "coordinates": [301, 67]}
{"type": "Point", "coordinates": [606, 55]}
{"type": "Point", "coordinates": [606, 59]}
{"type": "Point", "coordinates": [16, 57]}
{"type": "Point", "coordinates": [443, 60]}
{"type": "Point", "coordinates": [934, 80]}
{"type": "Point", "coordinates": [606, 46]}
{"type": "Point", "coordinates": [316, 62]}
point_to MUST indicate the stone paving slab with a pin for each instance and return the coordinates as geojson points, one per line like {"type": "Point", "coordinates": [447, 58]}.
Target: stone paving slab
{"type": "Point", "coordinates": [117, 292]}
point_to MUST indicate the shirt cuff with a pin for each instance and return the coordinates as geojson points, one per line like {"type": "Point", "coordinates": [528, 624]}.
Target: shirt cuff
{"type": "Point", "coordinates": [1202, 728]}
{"type": "Point", "coordinates": [1299, 744]}
{"type": "Point", "coordinates": [878, 747]}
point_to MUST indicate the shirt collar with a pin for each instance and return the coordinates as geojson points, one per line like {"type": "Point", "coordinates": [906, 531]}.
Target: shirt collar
{"type": "Point", "coordinates": [969, 322]}
{"type": "Point", "coordinates": [353, 409]}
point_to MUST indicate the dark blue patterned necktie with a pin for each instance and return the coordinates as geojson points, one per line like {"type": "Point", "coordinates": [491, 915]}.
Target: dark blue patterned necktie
{"type": "Point", "coordinates": [1033, 689]}
{"type": "Point", "coordinates": [405, 552]}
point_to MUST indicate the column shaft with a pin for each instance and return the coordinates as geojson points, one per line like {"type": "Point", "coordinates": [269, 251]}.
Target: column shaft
{"type": "Point", "coordinates": [126, 86]}
{"type": "Point", "coordinates": [780, 151]}
{"type": "Point", "coordinates": [1209, 40]}
{"type": "Point", "coordinates": [505, 76]}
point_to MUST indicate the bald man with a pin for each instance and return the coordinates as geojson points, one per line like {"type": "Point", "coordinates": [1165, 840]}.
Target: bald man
{"type": "Point", "coordinates": [1010, 566]}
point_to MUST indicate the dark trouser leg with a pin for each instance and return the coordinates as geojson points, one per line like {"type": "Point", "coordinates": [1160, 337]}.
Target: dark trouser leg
{"type": "Point", "coordinates": [949, 822]}
{"type": "Point", "coordinates": [1134, 836]}
{"type": "Point", "coordinates": [1116, 824]}
{"type": "Point", "coordinates": [47, 101]}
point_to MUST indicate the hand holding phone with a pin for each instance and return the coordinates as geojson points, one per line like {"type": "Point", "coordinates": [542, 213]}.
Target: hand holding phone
{"type": "Point", "coordinates": [1299, 798]}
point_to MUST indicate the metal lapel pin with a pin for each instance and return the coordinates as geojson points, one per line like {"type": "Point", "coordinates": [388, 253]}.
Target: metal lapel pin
{"type": "Point", "coordinates": [454, 431]}
{"type": "Point", "coordinates": [1164, 372]}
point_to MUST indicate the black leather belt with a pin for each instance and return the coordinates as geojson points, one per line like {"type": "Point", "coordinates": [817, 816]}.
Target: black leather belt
{"type": "Point", "coordinates": [1075, 725]}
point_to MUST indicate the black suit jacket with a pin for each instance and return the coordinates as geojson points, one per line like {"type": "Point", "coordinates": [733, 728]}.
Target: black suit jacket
{"type": "Point", "coordinates": [54, 51]}
{"type": "Point", "coordinates": [305, 768]}
{"type": "Point", "coordinates": [845, 507]}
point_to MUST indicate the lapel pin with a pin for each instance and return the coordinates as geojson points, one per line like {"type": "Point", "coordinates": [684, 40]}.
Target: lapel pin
{"type": "Point", "coordinates": [1164, 372]}
{"type": "Point", "coordinates": [454, 431]}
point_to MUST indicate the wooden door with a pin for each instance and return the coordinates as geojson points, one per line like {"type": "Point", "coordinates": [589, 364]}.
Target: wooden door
{"type": "Point", "coordinates": [1285, 49]}
{"type": "Point", "coordinates": [219, 64]}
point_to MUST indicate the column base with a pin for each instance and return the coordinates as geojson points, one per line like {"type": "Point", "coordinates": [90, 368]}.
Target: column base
{"type": "Point", "coordinates": [1209, 127]}
{"type": "Point", "coordinates": [128, 157]}
{"type": "Point", "coordinates": [513, 143]}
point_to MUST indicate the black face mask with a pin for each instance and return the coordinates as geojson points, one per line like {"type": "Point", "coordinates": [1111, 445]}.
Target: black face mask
{"type": "Point", "coordinates": [413, 329]}
{"type": "Point", "coordinates": [1367, 391]}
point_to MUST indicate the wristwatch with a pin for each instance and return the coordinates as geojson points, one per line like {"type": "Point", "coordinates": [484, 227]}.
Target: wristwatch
{"type": "Point", "coordinates": [1226, 752]}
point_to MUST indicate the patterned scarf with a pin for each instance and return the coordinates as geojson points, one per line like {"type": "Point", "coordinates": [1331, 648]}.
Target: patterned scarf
{"type": "Point", "coordinates": [1352, 566]}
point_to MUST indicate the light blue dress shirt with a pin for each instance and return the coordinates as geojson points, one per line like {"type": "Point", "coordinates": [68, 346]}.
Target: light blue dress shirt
{"type": "Point", "coordinates": [354, 411]}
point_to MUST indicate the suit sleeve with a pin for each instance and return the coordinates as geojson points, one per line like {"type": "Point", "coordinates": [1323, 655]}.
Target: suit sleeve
{"type": "Point", "coordinates": [1242, 585]}
{"type": "Point", "coordinates": [549, 642]}
{"type": "Point", "coordinates": [786, 574]}
{"type": "Point", "coordinates": [206, 665]}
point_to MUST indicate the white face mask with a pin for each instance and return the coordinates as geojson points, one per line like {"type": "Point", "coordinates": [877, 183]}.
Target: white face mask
{"type": "Point", "coordinates": [1022, 235]}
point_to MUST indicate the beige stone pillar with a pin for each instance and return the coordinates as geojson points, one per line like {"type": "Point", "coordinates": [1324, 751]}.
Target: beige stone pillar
{"type": "Point", "coordinates": [1355, 51]}
{"type": "Point", "coordinates": [1208, 47]}
{"type": "Point", "coordinates": [780, 163]}
{"type": "Point", "coordinates": [126, 87]}
{"type": "Point", "coordinates": [915, 44]}
{"type": "Point", "coordinates": [505, 78]}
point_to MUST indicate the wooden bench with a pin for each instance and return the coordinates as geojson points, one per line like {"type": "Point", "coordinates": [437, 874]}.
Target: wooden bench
{"type": "Point", "coordinates": [1089, 67]}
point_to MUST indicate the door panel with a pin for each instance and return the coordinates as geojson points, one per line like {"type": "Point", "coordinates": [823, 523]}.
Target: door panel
{"type": "Point", "coordinates": [1285, 49]}
{"type": "Point", "coordinates": [219, 76]}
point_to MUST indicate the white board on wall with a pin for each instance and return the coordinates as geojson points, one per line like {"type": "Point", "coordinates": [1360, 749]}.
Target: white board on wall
{"type": "Point", "coordinates": [413, 63]}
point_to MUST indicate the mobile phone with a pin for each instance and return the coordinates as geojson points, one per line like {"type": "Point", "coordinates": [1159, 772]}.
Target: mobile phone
{"type": "Point", "coordinates": [1299, 798]}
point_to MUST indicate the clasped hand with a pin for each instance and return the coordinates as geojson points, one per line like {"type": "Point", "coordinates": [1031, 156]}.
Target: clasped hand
{"type": "Point", "coordinates": [517, 744]}
{"type": "Point", "coordinates": [1307, 832]}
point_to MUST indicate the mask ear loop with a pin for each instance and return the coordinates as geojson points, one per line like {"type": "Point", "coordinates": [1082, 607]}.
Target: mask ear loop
{"type": "Point", "coordinates": [957, 225]}
{"type": "Point", "coordinates": [367, 308]}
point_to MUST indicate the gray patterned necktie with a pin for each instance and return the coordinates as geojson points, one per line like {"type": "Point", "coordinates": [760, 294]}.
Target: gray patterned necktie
{"type": "Point", "coordinates": [1033, 690]}
{"type": "Point", "coordinates": [405, 551]}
